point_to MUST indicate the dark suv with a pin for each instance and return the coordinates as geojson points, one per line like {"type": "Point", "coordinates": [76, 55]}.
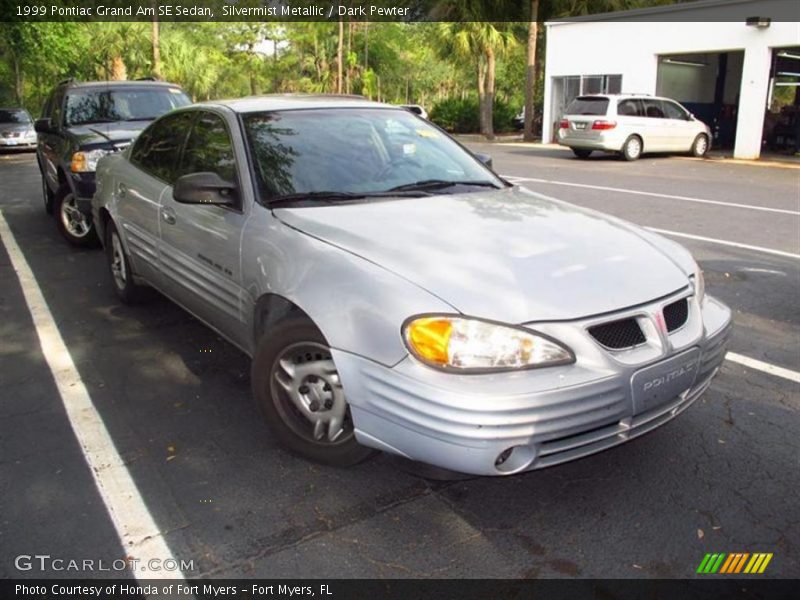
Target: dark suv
{"type": "Point", "coordinates": [81, 122]}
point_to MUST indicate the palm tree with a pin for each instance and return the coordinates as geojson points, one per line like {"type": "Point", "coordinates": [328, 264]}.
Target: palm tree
{"type": "Point", "coordinates": [480, 42]}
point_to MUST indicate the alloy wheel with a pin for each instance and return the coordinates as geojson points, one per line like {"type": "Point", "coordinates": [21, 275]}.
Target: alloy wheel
{"type": "Point", "coordinates": [74, 221]}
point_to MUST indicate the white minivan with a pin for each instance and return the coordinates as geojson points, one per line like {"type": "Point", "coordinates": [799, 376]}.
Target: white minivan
{"type": "Point", "coordinates": [631, 125]}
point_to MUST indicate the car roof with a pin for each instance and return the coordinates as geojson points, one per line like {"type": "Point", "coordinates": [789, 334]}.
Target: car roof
{"type": "Point", "coordinates": [119, 84]}
{"type": "Point", "coordinates": [623, 96]}
{"type": "Point", "coordinates": [273, 102]}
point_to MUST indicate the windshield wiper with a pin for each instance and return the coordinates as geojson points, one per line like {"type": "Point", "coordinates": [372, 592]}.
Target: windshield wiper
{"type": "Point", "coordinates": [435, 184]}
{"type": "Point", "coordinates": [140, 119]}
{"type": "Point", "coordinates": [324, 196]}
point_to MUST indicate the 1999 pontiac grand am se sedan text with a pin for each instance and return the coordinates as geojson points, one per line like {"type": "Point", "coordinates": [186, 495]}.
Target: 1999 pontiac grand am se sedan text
{"type": "Point", "coordinates": [395, 294]}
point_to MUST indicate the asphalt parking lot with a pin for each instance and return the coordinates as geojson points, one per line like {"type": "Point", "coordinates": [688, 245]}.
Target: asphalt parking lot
{"type": "Point", "coordinates": [175, 399]}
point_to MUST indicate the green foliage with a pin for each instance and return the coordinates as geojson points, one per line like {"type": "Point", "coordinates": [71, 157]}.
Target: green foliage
{"type": "Point", "coordinates": [460, 115]}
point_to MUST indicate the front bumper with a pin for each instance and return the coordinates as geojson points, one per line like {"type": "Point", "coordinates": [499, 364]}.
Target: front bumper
{"type": "Point", "coordinates": [83, 187]}
{"type": "Point", "coordinates": [548, 416]}
{"type": "Point", "coordinates": [17, 144]}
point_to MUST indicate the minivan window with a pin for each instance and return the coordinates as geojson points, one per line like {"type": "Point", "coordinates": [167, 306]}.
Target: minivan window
{"type": "Point", "coordinates": [157, 149]}
{"type": "Point", "coordinates": [630, 108]}
{"type": "Point", "coordinates": [14, 116]}
{"type": "Point", "coordinates": [127, 104]}
{"type": "Point", "coordinates": [588, 105]}
{"type": "Point", "coordinates": [673, 111]}
{"type": "Point", "coordinates": [653, 109]}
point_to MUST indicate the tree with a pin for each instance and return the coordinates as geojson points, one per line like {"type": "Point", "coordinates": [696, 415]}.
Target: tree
{"type": "Point", "coordinates": [530, 70]}
{"type": "Point", "coordinates": [480, 42]}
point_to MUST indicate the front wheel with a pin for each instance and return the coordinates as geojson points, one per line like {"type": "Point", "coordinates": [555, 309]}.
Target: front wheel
{"type": "Point", "coordinates": [700, 146]}
{"type": "Point", "coordinates": [632, 148]}
{"type": "Point", "coordinates": [582, 152]}
{"type": "Point", "coordinates": [297, 387]}
{"type": "Point", "coordinates": [74, 225]}
{"type": "Point", "coordinates": [47, 195]}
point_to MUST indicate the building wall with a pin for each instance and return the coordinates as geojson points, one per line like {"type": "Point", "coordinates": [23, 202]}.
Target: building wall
{"type": "Point", "coordinates": [632, 49]}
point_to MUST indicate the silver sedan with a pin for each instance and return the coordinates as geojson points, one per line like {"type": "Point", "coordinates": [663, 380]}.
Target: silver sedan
{"type": "Point", "coordinates": [395, 294]}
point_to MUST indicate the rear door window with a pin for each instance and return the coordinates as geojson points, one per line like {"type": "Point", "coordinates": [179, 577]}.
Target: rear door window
{"type": "Point", "coordinates": [588, 105]}
{"type": "Point", "coordinates": [632, 107]}
{"type": "Point", "coordinates": [653, 109]}
{"type": "Point", "coordinates": [158, 148]}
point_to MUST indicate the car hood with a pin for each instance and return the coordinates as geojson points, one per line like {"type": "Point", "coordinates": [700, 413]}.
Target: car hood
{"type": "Point", "coordinates": [105, 133]}
{"type": "Point", "coordinates": [508, 255]}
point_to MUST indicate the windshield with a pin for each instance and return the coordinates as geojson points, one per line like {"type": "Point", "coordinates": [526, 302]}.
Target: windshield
{"type": "Point", "coordinates": [587, 106]}
{"type": "Point", "coordinates": [132, 104]}
{"type": "Point", "coordinates": [14, 116]}
{"type": "Point", "coordinates": [356, 151]}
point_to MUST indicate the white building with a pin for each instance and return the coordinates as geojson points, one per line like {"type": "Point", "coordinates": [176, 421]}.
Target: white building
{"type": "Point", "coordinates": [734, 63]}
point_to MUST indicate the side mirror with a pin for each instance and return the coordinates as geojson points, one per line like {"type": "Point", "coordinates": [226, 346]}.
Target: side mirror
{"type": "Point", "coordinates": [486, 159]}
{"type": "Point", "coordinates": [43, 125]}
{"type": "Point", "coordinates": [204, 188]}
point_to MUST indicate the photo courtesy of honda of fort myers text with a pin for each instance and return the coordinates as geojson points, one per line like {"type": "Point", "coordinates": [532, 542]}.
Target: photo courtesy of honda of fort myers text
{"type": "Point", "coordinates": [399, 299]}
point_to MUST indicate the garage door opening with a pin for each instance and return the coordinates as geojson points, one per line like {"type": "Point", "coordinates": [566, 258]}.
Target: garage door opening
{"type": "Point", "coordinates": [708, 85]}
{"type": "Point", "coordinates": [782, 118]}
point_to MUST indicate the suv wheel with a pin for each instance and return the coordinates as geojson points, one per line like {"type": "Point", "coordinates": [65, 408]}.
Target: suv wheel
{"type": "Point", "coordinates": [75, 226]}
{"type": "Point", "coordinates": [297, 387]}
{"type": "Point", "coordinates": [700, 145]}
{"type": "Point", "coordinates": [48, 197]}
{"type": "Point", "coordinates": [582, 152]}
{"type": "Point", "coordinates": [632, 148]}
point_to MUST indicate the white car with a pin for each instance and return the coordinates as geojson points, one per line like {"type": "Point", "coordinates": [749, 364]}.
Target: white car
{"type": "Point", "coordinates": [416, 109]}
{"type": "Point", "coordinates": [631, 125]}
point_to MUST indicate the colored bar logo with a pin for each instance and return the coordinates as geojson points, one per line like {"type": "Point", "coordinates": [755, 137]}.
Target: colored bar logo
{"type": "Point", "coordinates": [733, 563]}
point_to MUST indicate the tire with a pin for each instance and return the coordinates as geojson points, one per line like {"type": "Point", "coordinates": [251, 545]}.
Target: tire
{"type": "Point", "coordinates": [582, 152]}
{"type": "Point", "coordinates": [119, 266]}
{"type": "Point", "coordinates": [47, 196]}
{"type": "Point", "coordinates": [632, 148]}
{"type": "Point", "coordinates": [295, 384]}
{"type": "Point", "coordinates": [700, 145]}
{"type": "Point", "coordinates": [73, 225]}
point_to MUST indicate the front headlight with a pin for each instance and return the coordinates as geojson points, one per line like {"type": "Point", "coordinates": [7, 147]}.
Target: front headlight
{"type": "Point", "coordinates": [699, 284]}
{"type": "Point", "coordinates": [86, 162]}
{"type": "Point", "coordinates": [464, 344]}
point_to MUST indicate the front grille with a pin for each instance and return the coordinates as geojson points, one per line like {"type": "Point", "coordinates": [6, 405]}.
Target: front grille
{"type": "Point", "coordinates": [675, 314]}
{"type": "Point", "coordinates": [617, 335]}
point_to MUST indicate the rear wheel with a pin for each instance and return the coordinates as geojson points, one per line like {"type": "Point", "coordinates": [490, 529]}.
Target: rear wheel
{"type": "Point", "coordinates": [120, 267]}
{"type": "Point", "coordinates": [632, 148]}
{"type": "Point", "coordinates": [74, 225]}
{"type": "Point", "coordinates": [297, 387]}
{"type": "Point", "coordinates": [700, 145]}
{"type": "Point", "coordinates": [582, 152]}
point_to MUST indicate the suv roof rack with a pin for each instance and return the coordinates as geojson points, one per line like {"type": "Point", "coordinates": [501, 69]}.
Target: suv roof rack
{"type": "Point", "coordinates": [146, 79]}
{"type": "Point", "coordinates": [66, 81]}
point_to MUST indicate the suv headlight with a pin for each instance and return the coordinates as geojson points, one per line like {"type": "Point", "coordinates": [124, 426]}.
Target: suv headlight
{"type": "Point", "coordinates": [86, 162]}
{"type": "Point", "coordinates": [698, 283]}
{"type": "Point", "coordinates": [471, 345]}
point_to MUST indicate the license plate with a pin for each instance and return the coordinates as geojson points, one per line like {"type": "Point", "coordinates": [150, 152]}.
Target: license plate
{"type": "Point", "coordinates": [664, 381]}
{"type": "Point", "coordinates": [580, 125]}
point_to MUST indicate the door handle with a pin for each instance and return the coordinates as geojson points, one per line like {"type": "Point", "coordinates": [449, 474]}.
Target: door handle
{"type": "Point", "coordinates": [168, 216]}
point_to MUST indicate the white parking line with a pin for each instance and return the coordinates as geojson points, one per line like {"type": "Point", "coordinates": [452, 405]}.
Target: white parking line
{"type": "Point", "coordinates": [137, 531]}
{"type": "Point", "coordinates": [752, 363]}
{"type": "Point", "coordinates": [701, 238]}
{"type": "Point", "coordinates": [655, 195]}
